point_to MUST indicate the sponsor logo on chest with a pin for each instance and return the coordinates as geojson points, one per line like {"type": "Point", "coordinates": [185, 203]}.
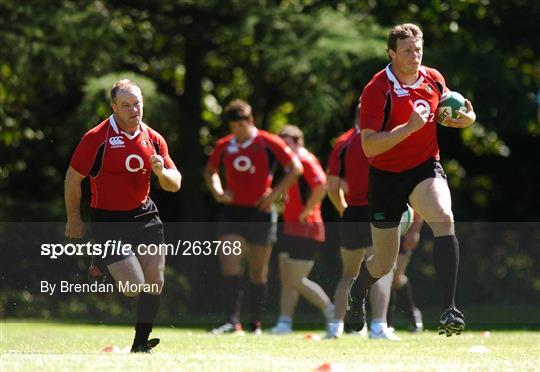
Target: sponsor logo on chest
{"type": "Point", "coordinates": [116, 142]}
{"type": "Point", "coordinates": [243, 163]}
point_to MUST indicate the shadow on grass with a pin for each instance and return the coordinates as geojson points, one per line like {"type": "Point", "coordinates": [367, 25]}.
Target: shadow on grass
{"type": "Point", "coordinates": [480, 317]}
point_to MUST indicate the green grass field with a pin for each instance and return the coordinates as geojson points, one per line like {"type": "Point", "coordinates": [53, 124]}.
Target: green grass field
{"type": "Point", "coordinates": [52, 346]}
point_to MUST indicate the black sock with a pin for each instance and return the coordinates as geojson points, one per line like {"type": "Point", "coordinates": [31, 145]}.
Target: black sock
{"type": "Point", "coordinates": [390, 314]}
{"type": "Point", "coordinates": [405, 297]}
{"type": "Point", "coordinates": [359, 292]}
{"type": "Point", "coordinates": [446, 257]}
{"type": "Point", "coordinates": [257, 295]}
{"type": "Point", "coordinates": [361, 285]}
{"type": "Point", "coordinates": [147, 309]}
{"type": "Point", "coordinates": [232, 297]}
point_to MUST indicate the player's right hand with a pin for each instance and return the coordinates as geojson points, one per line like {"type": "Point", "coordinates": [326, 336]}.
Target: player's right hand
{"type": "Point", "coordinates": [225, 198]}
{"type": "Point", "coordinates": [75, 230]}
{"type": "Point", "coordinates": [410, 240]}
{"type": "Point", "coordinates": [344, 186]}
{"type": "Point", "coordinates": [419, 117]}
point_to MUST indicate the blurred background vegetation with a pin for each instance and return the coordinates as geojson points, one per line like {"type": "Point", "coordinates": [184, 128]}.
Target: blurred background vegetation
{"type": "Point", "coordinates": [295, 61]}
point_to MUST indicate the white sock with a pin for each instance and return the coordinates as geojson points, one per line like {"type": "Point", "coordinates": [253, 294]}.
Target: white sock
{"type": "Point", "coordinates": [284, 319]}
{"type": "Point", "coordinates": [340, 325]}
{"type": "Point", "coordinates": [378, 325]}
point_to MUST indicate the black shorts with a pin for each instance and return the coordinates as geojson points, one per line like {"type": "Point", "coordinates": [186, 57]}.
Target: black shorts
{"type": "Point", "coordinates": [355, 229]}
{"type": "Point", "coordinates": [298, 247]}
{"type": "Point", "coordinates": [257, 227]}
{"type": "Point", "coordinates": [138, 226]}
{"type": "Point", "coordinates": [389, 191]}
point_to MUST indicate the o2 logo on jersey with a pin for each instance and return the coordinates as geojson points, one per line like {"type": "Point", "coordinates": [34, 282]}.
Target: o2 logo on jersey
{"type": "Point", "coordinates": [136, 160]}
{"type": "Point", "coordinates": [243, 164]}
{"type": "Point", "coordinates": [424, 103]}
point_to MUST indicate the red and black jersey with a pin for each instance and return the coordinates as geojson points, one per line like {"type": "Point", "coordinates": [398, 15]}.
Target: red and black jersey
{"type": "Point", "coordinates": [348, 161]}
{"type": "Point", "coordinates": [118, 164]}
{"type": "Point", "coordinates": [297, 196]}
{"type": "Point", "coordinates": [249, 166]}
{"type": "Point", "coordinates": [387, 103]}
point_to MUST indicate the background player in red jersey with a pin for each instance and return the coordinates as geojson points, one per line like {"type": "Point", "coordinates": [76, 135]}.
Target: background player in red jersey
{"type": "Point", "coordinates": [249, 157]}
{"type": "Point", "coordinates": [348, 188]}
{"type": "Point", "coordinates": [303, 233]}
{"type": "Point", "coordinates": [399, 136]}
{"type": "Point", "coordinates": [119, 155]}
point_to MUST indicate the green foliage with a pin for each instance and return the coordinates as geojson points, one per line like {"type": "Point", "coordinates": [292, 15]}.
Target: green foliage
{"type": "Point", "coordinates": [301, 67]}
{"type": "Point", "coordinates": [484, 142]}
{"type": "Point", "coordinates": [160, 111]}
{"type": "Point", "coordinates": [52, 49]}
{"type": "Point", "coordinates": [299, 61]}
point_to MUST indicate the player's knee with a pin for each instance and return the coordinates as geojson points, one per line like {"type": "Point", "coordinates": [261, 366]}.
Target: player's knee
{"type": "Point", "coordinates": [229, 264]}
{"type": "Point", "coordinates": [444, 223]}
{"type": "Point", "coordinates": [347, 281]}
{"type": "Point", "coordinates": [350, 272]}
{"type": "Point", "coordinates": [380, 269]}
{"type": "Point", "coordinates": [258, 276]}
{"type": "Point", "coordinates": [131, 293]}
{"type": "Point", "coordinates": [446, 217]}
{"type": "Point", "coordinates": [399, 281]}
{"type": "Point", "coordinates": [286, 282]}
{"type": "Point", "coordinates": [131, 288]}
{"type": "Point", "coordinates": [298, 282]}
{"type": "Point", "coordinates": [229, 268]}
{"type": "Point", "coordinates": [155, 284]}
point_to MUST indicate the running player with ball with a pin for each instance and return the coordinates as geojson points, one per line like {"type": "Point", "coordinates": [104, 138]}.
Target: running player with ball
{"type": "Point", "coordinates": [399, 136]}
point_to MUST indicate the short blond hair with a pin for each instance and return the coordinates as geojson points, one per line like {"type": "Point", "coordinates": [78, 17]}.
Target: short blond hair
{"type": "Point", "coordinates": [237, 110]}
{"type": "Point", "coordinates": [294, 132]}
{"type": "Point", "coordinates": [403, 31]}
{"type": "Point", "coordinates": [124, 84]}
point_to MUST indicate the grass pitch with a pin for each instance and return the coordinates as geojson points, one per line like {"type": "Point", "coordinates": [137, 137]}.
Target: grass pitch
{"type": "Point", "coordinates": [52, 347]}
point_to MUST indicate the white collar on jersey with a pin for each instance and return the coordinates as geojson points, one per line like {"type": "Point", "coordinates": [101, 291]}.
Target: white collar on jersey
{"type": "Point", "coordinates": [402, 90]}
{"type": "Point", "coordinates": [245, 144]}
{"type": "Point", "coordinates": [302, 152]}
{"type": "Point", "coordinates": [117, 130]}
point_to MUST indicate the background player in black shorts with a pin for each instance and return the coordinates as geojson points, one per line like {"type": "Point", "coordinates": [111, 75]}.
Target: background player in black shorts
{"type": "Point", "coordinates": [402, 293]}
{"type": "Point", "coordinates": [249, 157]}
{"type": "Point", "coordinates": [302, 236]}
{"type": "Point", "coordinates": [347, 189]}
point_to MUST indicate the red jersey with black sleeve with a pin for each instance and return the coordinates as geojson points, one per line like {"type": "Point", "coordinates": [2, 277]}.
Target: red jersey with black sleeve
{"type": "Point", "coordinates": [249, 166]}
{"type": "Point", "coordinates": [118, 164]}
{"type": "Point", "coordinates": [348, 161]}
{"type": "Point", "coordinates": [297, 196]}
{"type": "Point", "coordinates": [387, 103]}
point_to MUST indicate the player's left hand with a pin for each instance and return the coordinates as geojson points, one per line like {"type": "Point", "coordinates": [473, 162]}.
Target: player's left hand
{"type": "Point", "coordinates": [265, 203]}
{"type": "Point", "coordinates": [157, 163]}
{"type": "Point", "coordinates": [303, 215]}
{"type": "Point", "coordinates": [464, 119]}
